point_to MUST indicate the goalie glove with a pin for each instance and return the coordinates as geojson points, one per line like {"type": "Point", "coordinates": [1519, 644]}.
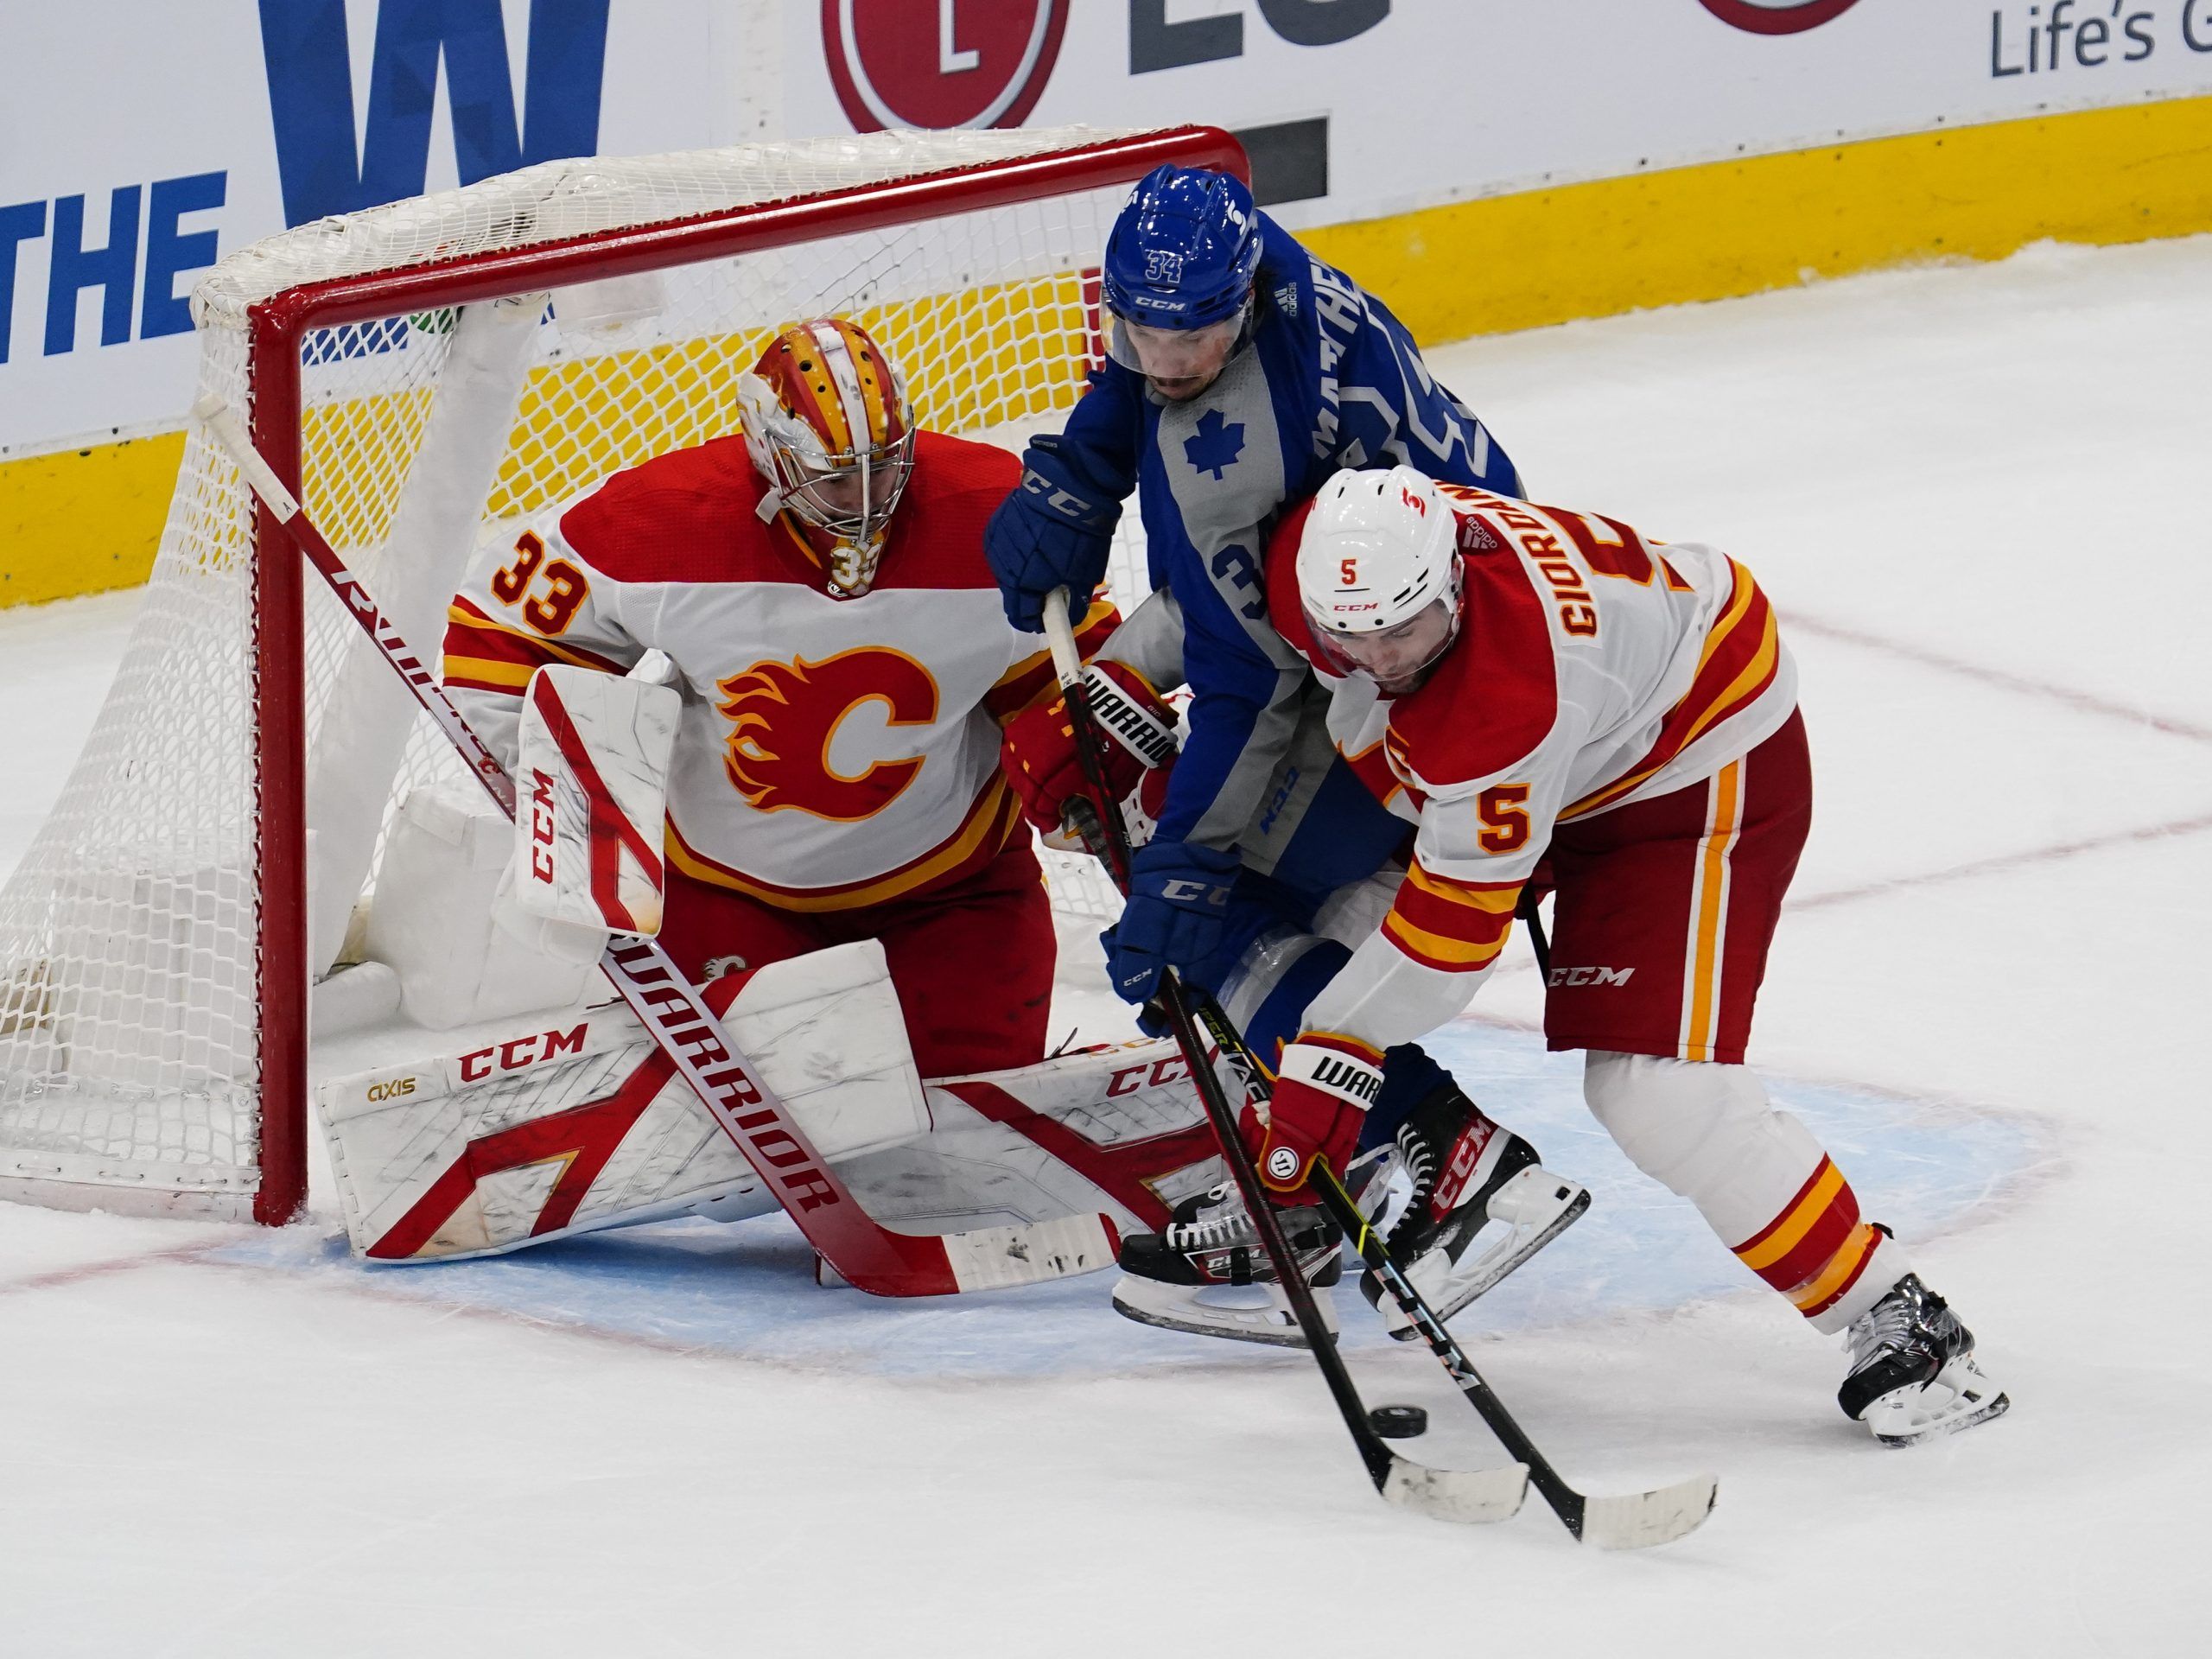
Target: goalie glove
{"type": "Point", "coordinates": [1041, 760]}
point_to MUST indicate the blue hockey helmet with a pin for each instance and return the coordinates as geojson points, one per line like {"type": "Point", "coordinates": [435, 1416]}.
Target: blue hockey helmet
{"type": "Point", "coordinates": [1184, 250]}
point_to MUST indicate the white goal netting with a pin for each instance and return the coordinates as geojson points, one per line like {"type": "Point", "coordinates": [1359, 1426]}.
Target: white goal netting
{"type": "Point", "coordinates": [143, 987]}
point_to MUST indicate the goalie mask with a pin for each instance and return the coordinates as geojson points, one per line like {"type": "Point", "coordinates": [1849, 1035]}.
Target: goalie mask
{"type": "Point", "coordinates": [1379, 576]}
{"type": "Point", "coordinates": [828, 426]}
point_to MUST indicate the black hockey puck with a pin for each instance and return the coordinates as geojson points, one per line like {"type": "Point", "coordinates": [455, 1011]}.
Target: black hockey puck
{"type": "Point", "coordinates": [1398, 1422]}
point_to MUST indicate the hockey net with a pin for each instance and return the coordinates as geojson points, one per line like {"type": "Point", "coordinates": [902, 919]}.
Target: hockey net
{"type": "Point", "coordinates": [207, 859]}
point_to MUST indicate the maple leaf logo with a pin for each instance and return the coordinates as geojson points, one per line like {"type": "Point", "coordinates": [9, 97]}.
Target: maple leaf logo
{"type": "Point", "coordinates": [1215, 445]}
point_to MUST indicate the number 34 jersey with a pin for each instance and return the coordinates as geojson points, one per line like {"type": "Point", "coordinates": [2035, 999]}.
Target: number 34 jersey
{"type": "Point", "coordinates": [833, 754]}
{"type": "Point", "coordinates": [1593, 667]}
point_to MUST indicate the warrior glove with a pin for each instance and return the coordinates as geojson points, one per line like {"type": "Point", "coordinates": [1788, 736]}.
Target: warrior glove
{"type": "Point", "coordinates": [1322, 1092]}
{"type": "Point", "coordinates": [1044, 766]}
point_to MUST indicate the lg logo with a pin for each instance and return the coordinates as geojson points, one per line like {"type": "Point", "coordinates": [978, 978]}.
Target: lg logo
{"type": "Point", "coordinates": [957, 63]}
{"type": "Point", "coordinates": [1776, 17]}
{"type": "Point", "coordinates": [984, 63]}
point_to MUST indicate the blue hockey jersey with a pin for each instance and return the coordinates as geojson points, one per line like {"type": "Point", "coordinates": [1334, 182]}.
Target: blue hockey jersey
{"type": "Point", "coordinates": [1328, 379]}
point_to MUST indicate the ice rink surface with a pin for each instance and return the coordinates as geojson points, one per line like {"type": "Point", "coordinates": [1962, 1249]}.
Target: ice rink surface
{"type": "Point", "coordinates": [1978, 497]}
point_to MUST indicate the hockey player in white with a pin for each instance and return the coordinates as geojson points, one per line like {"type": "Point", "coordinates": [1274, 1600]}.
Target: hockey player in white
{"type": "Point", "coordinates": [1556, 701]}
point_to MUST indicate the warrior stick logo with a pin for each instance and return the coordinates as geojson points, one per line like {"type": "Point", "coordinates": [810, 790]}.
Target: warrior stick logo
{"type": "Point", "coordinates": [1776, 17]}
{"type": "Point", "coordinates": [956, 63]}
{"type": "Point", "coordinates": [1135, 728]}
{"type": "Point", "coordinates": [785, 718]}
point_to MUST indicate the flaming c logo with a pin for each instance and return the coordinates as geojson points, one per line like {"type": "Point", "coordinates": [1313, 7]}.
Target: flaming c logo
{"type": "Point", "coordinates": [783, 717]}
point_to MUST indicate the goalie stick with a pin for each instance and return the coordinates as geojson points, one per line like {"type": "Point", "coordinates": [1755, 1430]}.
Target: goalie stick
{"type": "Point", "coordinates": [1465, 1495]}
{"type": "Point", "coordinates": [1630, 1520]}
{"type": "Point", "coordinates": [864, 1252]}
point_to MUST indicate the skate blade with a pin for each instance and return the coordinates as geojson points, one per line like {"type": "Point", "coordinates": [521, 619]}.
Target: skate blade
{"type": "Point", "coordinates": [1960, 1397]}
{"type": "Point", "coordinates": [1472, 1497]}
{"type": "Point", "coordinates": [1639, 1520]}
{"type": "Point", "coordinates": [1168, 1308]}
{"type": "Point", "coordinates": [1545, 1207]}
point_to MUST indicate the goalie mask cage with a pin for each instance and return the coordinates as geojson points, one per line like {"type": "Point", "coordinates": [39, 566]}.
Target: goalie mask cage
{"type": "Point", "coordinates": [421, 374]}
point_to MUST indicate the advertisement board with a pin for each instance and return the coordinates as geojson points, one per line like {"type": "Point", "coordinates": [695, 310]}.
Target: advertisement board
{"type": "Point", "coordinates": [140, 142]}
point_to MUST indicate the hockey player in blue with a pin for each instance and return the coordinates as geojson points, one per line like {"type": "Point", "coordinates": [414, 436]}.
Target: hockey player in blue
{"type": "Point", "coordinates": [1242, 372]}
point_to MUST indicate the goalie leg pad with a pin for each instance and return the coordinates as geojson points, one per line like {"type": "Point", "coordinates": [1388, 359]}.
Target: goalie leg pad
{"type": "Point", "coordinates": [1118, 1129]}
{"type": "Point", "coordinates": [571, 1126]}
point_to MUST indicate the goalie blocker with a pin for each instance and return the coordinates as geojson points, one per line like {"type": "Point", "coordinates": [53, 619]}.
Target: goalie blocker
{"type": "Point", "coordinates": [592, 771]}
{"type": "Point", "coordinates": [575, 1124]}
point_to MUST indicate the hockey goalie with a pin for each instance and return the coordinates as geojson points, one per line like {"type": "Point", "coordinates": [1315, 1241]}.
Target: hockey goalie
{"type": "Point", "coordinates": [752, 692]}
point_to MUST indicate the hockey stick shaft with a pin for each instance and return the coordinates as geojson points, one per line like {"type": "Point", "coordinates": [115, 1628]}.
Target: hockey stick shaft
{"type": "Point", "coordinates": [740, 1101]}
{"type": "Point", "coordinates": [1537, 943]}
{"type": "Point", "coordinates": [1113, 843]}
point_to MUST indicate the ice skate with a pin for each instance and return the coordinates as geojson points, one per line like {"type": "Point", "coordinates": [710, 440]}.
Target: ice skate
{"type": "Point", "coordinates": [1208, 1274]}
{"type": "Point", "coordinates": [1465, 1171]}
{"type": "Point", "coordinates": [1913, 1375]}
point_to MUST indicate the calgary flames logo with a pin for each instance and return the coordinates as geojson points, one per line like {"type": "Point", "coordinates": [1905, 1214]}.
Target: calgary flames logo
{"type": "Point", "coordinates": [784, 717]}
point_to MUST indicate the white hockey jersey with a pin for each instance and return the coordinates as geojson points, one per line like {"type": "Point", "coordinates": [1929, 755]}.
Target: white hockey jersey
{"type": "Point", "coordinates": [834, 753]}
{"type": "Point", "coordinates": [1594, 667]}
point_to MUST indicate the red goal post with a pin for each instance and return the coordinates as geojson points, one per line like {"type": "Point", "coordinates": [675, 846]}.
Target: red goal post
{"type": "Point", "coordinates": [159, 940]}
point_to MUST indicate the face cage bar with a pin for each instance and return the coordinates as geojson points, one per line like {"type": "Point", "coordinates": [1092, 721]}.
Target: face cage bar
{"type": "Point", "coordinates": [276, 329]}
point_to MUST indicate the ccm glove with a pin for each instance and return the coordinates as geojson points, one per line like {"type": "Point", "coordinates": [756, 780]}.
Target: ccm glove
{"type": "Point", "coordinates": [1054, 532]}
{"type": "Point", "coordinates": [1039, 755]}
{"type": "Point", "coordinates": [1322, 1092]}
{"type": "Point", "coordinates": [1177, 906]}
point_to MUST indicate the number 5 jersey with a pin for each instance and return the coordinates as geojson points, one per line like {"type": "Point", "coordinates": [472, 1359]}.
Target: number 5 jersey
{"type": "Point", "coordinates": [1593, 668]}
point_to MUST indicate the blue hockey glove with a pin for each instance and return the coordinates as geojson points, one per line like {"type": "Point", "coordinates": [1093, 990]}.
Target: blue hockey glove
{"type": "Point", "coordinates": [1054, 532]}
{"type": "Point", "coordinates": [1179, 904]}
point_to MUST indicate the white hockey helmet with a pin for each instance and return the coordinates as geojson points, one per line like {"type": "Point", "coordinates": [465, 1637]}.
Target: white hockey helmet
{"type": "Point", "coordinates": [1378, 576]}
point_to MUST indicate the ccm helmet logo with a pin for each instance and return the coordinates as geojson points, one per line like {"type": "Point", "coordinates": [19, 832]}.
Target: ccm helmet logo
{"type": "Point", "coordinates": [1283, 1165]}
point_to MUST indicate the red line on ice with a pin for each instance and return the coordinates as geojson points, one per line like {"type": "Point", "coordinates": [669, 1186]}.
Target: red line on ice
{"type": "Point", "coordinates": [2085, 702]}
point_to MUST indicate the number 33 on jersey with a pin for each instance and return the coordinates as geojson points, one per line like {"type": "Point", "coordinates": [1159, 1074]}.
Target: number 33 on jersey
{"type": "Point", "coordinates": [834, 753]}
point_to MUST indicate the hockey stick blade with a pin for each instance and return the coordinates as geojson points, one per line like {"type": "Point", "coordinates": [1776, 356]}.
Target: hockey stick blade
{"type": "Point", "coordinates": [1633, 1521]}
{"type": "Point", "coordinates": [1474, 1497]}
{"type": "Point", "coordinates": [1639, 1520]}
{"type": "Point", "coordinates": [866, 1253]}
